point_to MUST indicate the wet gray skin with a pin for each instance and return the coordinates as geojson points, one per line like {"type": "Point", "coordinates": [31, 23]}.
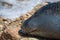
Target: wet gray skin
{"type": "Point", "coordinates": [45, 22]}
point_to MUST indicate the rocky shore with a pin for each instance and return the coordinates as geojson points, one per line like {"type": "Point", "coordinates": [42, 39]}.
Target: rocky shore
{"type": "Point", "coordinates": [9, 28]}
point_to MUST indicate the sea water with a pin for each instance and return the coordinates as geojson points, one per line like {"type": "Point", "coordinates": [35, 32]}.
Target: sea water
{"type": "Point", "coordinates": [18, 8]}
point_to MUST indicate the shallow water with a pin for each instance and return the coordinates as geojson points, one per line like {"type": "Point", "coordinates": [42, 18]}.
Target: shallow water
{"type": "Point", "coordinates": [18, 8]}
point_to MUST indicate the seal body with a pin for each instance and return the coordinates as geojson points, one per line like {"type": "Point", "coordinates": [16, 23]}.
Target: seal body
{"type": "Point", "coordinates": [45, 22]}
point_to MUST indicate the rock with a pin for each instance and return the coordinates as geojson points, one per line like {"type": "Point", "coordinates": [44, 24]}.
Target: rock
{"type": "Point", "coordinates": [29, 39]}
{"type": "Point", "coordinates": [10, 34]}
{"type": "Point", "coordinates": [1, 27]}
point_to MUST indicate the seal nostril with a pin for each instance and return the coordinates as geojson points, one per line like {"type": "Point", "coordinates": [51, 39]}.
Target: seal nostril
{"type": "Point", "coordinates": [20, 31]}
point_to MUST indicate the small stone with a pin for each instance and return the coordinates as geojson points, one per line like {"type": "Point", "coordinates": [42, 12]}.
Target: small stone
{"type": "Point", "coordinates": [1, 27]}
{"type": "Point", "coordinates": [25, 39]}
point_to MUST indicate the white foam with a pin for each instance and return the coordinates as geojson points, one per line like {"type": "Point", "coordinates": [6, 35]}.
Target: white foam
{"type": "Point", "coordinates": [19, 8]}
{"type": "Point", "coordinates": [51, 1]}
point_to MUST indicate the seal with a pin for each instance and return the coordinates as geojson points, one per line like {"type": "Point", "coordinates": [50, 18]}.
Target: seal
{"type": "Point", "coordinates": [45, 22]}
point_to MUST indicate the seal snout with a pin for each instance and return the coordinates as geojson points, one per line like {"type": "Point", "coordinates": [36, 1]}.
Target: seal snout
{"type": "Point", "coordinates": [20, 32]}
